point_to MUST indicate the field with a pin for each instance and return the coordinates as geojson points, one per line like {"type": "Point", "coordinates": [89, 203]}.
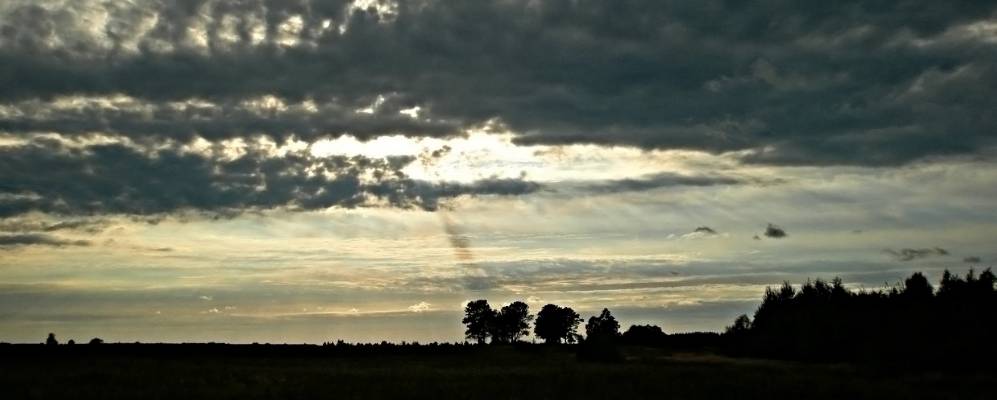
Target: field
{"type": "Point", "coordinates": [488, 372]}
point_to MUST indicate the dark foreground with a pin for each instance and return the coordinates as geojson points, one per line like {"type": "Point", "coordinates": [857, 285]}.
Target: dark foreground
{"type": "Point", "coordinates": [488, 372]}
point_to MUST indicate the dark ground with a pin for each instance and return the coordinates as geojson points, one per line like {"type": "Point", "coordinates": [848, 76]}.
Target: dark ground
{"type": "Point", "coordinates": [488, 372]}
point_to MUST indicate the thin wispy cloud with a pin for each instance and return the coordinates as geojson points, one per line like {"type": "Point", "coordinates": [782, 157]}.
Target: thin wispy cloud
{"type": "Point", "coordinates": [33, 239]}
{"type": "Point", "coordinates": [909, 254]}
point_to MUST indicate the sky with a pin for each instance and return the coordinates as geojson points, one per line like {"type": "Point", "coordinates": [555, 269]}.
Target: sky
{"type": "Point", "coordinates": [308, 171]}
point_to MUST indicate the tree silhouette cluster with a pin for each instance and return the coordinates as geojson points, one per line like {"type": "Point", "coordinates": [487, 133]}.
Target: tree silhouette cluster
{"type": "Point", "coordinates": [602, 334]}
{"type": "Point", "coordinates": [554, 324]}
{"type": "Point", "coordinates": [507, 325]}
{"type": "Point", "coordinates": [645, 335]}
{"type": "Point", "coordinates": [512, 322]}
{"type": "Point", "coordinates": [909, 322]}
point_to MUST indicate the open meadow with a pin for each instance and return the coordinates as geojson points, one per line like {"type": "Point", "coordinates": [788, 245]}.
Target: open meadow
{"type": "Point", "coordinates": [499, 372]}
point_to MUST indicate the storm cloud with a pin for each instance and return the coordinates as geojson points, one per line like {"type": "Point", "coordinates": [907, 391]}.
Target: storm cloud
{"type": "Point", "coordinates": [854, 82]}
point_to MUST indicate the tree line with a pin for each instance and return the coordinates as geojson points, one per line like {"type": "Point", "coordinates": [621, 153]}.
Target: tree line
{"type": "Point", "coordinates": [908, 322]}
{"type": "Point", "coordinates": [820, 320]}
{"type": "Point", "coordinates": [911, 321]}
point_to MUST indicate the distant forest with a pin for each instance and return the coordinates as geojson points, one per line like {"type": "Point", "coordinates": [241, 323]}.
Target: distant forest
{"type": "Point", "coordinates": [820, 321]}
{"type": "Point", "coordinates": [911, 322]}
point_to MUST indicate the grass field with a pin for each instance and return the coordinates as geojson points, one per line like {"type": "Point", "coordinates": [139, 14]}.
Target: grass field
{"type": "Point", "coordinates": [498, 373]}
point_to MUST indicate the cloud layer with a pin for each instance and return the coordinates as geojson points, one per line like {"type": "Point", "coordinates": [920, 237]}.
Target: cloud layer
{"type": "Point", "coordinates": [33, 239]}
{"type": "Point", "coordinates": [860, 83]}
{"type": "Point", "coordinates": [51, 177]}
{"type": "Point", "coordinates": [909, 254]}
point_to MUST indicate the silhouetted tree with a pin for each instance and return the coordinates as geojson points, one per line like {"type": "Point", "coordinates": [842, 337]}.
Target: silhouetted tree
{"type": "Point", "coordinates": [917, 288]}
{"type": "Point", "coordinates": [603, 326]}
{"type": "Point", "coordinates": [71, 342]}
{"type": "Point", "coordinates": [96, 341]}
{"type": "Point", "coordinates": [556, 323]}
{"type": "Point", "coordinates": [600, 343]}
{"type": "Point", "coordinates": [986, 281]}
{"type": "Point", "coordinates": [951, 284]}
{"type": "Point", "coordinates": [740, 327]}
{"type": "Point", "coordinates": [511, 323]}
{"type": "Point", "coordinates": [479, 318]}
{"type": "Point", "coordinates": [647, 335]}
{"type": "Point", "coordinates": [50, 341]}
{"type": "Point", "coordinates": [909, 322]}
{"type": "Point", "coordinates": [736, 336]}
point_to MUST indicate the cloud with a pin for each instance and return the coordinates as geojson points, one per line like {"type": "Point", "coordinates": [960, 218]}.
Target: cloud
{"type": "Point", "coordinates": [908, 254]}
{"type": "Point", "coordinates": [705, 229]}
{"type": "Point", "coordinates": [422, 306]}
{"type": "Point", "coordinates": [856, 84]}
{"type": "Point", "coordinates": [34, 239]}
{"type": "Point", "coordinates": [972, 260]}
{"type": "Point", "coordinates": [29, 225]}
{"type": "Point", "coordinates": [122, 179]}
{"type": "Point", "coordinates": [84, 225]}
{"type": "Point", "coordinates": [700, 233]}
{"type": "Point", "coordinates": [649, 182]}
{"type": "Point", "coordinates": [549, 280]}
{"type": "Point", "coordinates": [775, 232]}
{"type": "Point", "coordinates": [191, 118]}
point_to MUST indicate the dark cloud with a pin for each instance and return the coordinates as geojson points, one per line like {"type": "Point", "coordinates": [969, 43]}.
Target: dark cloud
{"type": "Point", "coordinates": [972, 260]}
{"type": "Point", "coordinates": [908, 254]}
{"type": "Point", "coordinates": [705, 230]}
{"type": "Point", "coordinates": [700, 233]}
{"type": "Point", "coordinates": [853, 82]}
{"type": "Point", "coordinates": [652, 182]}
{"type": "Point", "coordinates": [34, 239]}
{"type": "Point", "coordinates": [215, 121]}
{"type": "Point", "coordinates": [775, 232]}
{"type": "Point", "coordinates": [49, 177]}
{"type": "Point", "coordinates": [29, 225]}
{"type": "Point", "coordinates": [83, 225]}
